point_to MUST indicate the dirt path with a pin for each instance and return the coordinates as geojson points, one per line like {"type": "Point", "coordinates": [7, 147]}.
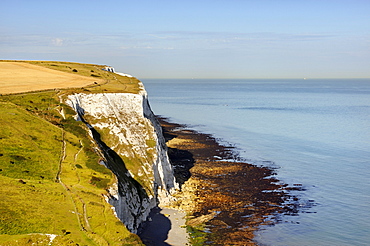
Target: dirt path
{"type": "Point", "coordinates": [74, 196]}
{"type": "Point", "coordinates": [16, 77]}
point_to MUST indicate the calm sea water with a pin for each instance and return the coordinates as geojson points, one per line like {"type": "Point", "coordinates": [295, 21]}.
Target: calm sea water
{"type": "Point", "coordinates": [317, 132]}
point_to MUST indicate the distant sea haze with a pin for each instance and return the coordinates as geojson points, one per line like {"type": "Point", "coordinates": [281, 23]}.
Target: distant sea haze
{"type": "Point", "coordinates": [316, 132]}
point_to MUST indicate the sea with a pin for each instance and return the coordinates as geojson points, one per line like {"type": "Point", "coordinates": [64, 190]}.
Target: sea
{"type": "Point", "coordinates": [315, 132]}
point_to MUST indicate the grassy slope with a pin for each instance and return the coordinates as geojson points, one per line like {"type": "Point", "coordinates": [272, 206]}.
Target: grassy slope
{"type": "Point", "coordinates": [50, 178]}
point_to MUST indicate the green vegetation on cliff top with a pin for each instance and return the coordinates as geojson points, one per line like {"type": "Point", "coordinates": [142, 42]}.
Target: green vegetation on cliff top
{"type": "Point", "coordinates": [53, 187]}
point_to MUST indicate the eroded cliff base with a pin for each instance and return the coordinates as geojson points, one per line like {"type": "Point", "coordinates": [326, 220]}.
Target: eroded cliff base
{"type": "Point", "coordinates": [226, 199]}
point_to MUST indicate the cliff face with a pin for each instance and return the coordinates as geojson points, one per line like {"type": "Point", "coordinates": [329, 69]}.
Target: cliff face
{"type": "Point", "coordinates": [131, 144]}
{"type": "Point", "coordinates": [54, 176]}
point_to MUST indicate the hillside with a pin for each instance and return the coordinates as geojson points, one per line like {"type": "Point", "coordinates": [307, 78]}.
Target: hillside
{"type": "Point", "coordinates": [54, 176]}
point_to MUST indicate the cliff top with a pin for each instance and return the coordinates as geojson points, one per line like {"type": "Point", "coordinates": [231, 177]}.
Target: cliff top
{"type": "Point", "coordinates": [25, 76]}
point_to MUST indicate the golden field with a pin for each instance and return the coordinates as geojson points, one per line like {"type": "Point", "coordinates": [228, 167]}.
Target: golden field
{"type": "Point", "coordinates": [17, 77]}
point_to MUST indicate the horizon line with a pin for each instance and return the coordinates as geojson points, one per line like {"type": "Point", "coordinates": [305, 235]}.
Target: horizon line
{"type": "Point", "coordinates": [261, 78]}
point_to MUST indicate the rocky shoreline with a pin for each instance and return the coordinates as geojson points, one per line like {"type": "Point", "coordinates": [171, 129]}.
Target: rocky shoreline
{"type": "Point", "coordinates": [226, 197]}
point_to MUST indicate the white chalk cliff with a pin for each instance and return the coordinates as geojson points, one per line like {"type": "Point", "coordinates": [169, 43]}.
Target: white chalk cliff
{"type": "Point", "coordinates": [132, 145]}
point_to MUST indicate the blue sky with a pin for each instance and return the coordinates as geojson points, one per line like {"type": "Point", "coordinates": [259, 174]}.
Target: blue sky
{"type": "Point", "coordinates": [195, 38]}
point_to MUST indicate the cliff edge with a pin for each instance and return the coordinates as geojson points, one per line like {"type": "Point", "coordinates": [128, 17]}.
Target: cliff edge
{"type": "Point", "coordinates": [80, 163]}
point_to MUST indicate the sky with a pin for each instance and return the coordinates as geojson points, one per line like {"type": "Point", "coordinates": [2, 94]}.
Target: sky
{"type": "Point", "coordinates": [194, 38]}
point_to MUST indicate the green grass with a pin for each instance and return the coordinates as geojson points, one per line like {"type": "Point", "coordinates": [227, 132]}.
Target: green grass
{"type": "Point", "coordinates": [24, 149]}
{"type": "Point", "coordinates": [44, 212]}
{"type": "Point", "coordinates": [46, 190]}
